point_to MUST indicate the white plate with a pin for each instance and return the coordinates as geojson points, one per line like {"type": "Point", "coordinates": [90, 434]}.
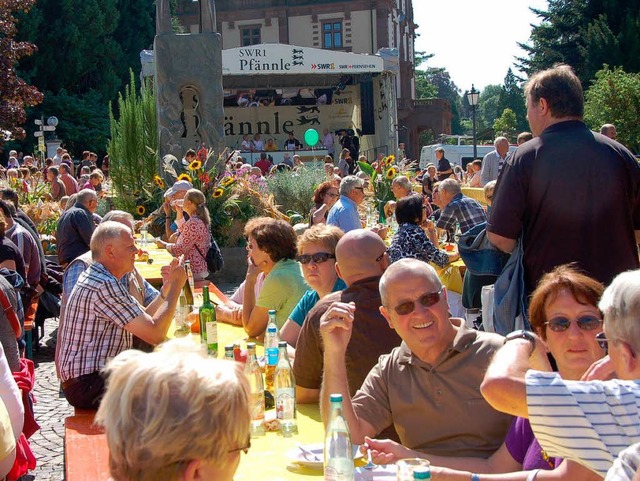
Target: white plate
{"type": "Point", "coordinates": [298, 457]}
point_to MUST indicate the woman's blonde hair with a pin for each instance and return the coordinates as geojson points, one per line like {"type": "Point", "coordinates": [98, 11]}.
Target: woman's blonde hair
{"type": "Point", "coordinates": [164, 409]}
{"type": "Point", "coordinates": [199, 200]}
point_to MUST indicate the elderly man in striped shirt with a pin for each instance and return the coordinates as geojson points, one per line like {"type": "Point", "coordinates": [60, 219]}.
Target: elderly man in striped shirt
{"type": "Point", "coordinates": [590, 422]}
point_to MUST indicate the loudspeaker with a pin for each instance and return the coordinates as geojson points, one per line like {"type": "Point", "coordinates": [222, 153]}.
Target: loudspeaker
{"type": "Point", "coordinates": [367, 111]}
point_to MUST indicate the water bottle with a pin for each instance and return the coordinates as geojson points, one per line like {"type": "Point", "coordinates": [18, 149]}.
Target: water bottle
{"type": "Point", "coordinates": [338, 453]}
{"type": "Point", "coordinates": [271, 350]}
{"type": "Point", "coordinates": [285, 392]}
{"type": "Point", "coordinates": [208, 324]}
{"type": "Point", "coordinates": [256, 385]}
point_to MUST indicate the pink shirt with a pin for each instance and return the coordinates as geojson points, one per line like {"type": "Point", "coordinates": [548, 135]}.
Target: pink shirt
{"type": "Point", "coordinates": [193, 233]}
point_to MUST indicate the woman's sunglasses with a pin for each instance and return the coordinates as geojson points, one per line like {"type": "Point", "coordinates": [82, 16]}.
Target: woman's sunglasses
{"type": "Point", "coordinates": [317, 258]}
{"type": "Point", "coordinates": [586, 323]}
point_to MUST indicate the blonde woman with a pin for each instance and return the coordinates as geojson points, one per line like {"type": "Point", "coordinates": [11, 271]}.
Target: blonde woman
{"type": "Point", "coordinates": [174, 414]}
{"type": "Point", "coordinates": [195, 234]}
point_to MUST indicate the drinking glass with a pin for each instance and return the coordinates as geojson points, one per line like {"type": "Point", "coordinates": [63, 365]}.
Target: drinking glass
{"type": "Point", "coordinates": [405, 467]}
{"type": "Point", "coordinates": [184, 320]}
{"type": "Point", "coordinates": [143, 235]}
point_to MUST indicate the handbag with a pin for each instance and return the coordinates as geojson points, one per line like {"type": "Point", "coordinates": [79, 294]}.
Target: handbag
{"type": "Point", "coordinates": [214, 259]}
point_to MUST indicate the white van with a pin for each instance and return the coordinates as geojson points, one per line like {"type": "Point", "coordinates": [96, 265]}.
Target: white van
{"type": "Point", "coordinates": [457, 154]}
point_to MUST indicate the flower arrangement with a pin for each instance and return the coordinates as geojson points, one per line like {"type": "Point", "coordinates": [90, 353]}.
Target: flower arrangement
{"type": "Point", "coordinates": [382, 174]}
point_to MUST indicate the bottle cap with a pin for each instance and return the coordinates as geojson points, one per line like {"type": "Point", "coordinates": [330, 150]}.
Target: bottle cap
{"type": "Point", "coordinates": [335, 398]}
{"type": "Point", "coordinates": [251, 345]}
{"type": "Point", "coordinates": [421, 473]}
{"type": "Point", "coordinates": [272, 312]}
{"type": "Point", "coordinates": [282, 343]}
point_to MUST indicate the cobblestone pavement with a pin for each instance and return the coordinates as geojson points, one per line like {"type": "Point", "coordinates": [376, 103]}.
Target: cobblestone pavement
{"type": "Point", "coordinates": [51, 408]}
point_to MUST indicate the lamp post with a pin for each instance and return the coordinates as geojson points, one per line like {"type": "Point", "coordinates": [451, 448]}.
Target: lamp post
{"type": "Point", "coordinates": [472, 97]}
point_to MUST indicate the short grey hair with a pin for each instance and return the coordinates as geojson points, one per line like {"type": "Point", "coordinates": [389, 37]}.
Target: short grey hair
{"type": "Point", "coordinates": [403, 181]}
{"type": "Point", "coordinates": [119, 216]}
{"type": "Point", "coordinates": [349, 183]}
{"type": "Point", "coordinates": [620, 304]}
{"type": "Point", "coordinates": [500, 140]}
{"type": "Point", "coordinates": [451, 186]}
{"type": "Point", "coordinates": [105, 233]}
{"type": "Point", "coordinates": [440, 149]}
{"type": "Point", "coordinates": [85, 196]}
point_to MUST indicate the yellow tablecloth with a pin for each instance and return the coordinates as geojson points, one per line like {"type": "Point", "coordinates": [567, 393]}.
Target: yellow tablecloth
{"type": "Point", "coordinates": [160, 257]}
{"type": "Point", "coordinates": [476, 193]}
{"type": "Point", "coordinates": [267, 459]}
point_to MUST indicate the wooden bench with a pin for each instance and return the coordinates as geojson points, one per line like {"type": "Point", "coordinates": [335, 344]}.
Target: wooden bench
{"type": "Point", "coordinates": [86, 455]}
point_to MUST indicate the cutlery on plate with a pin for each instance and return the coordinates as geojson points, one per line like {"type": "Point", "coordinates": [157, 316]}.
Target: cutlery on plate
{"type": "Point", "coordinates": [309, 454]}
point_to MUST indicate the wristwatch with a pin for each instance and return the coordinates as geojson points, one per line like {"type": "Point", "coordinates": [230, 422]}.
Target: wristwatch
{"type": "Point", "coordinates": [522, 334]}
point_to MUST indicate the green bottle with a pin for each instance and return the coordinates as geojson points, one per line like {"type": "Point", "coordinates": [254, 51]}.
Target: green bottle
{"type": "Point", "coordinates": [208, 324]}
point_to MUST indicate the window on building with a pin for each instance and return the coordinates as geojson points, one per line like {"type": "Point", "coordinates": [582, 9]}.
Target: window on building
{"type": "Point", "coordinates": [250, 35]}
{"type": "Point", "coordinates": [332, 34]}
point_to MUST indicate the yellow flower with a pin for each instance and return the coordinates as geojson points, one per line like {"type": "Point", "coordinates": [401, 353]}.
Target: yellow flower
{"type": "Point", "coordinates": [140, 210]}
{"type": "Point", "coordinates": [390, 160]}
{"type": "Point", "coordinates": [391, 173]}
{"type": "Point", "coordinates": [228, 181]}
{"type": "Point", "coordinates": [158, 181]}
{"type": "Point", "coordinates": [195, 165]}
{"type": "Point", "coordinates": [218, 193]}
{"type": "Point", "coordinates": [184, 177]}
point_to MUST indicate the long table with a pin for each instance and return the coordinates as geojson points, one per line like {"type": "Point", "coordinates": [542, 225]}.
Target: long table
{"type": "Point", "coordinates": [159, 257]}
{"type": "Point", "coordinates": [267, 459]}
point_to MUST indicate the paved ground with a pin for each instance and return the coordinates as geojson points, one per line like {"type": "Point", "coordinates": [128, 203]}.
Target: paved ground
{"type": "Point", "coordinates": [51, 408]}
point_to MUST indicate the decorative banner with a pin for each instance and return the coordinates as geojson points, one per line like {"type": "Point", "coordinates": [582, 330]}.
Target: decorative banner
{"type": "Point", "coordinates": [275, 58]}
{"type": "Point", "coordinates": [311, 137]}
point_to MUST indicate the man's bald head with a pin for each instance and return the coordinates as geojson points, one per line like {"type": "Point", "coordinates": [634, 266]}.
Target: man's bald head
{"type": "Point", "coordinates": [395, 276]}
{"type": "Point", "coordinates": [360, 254]}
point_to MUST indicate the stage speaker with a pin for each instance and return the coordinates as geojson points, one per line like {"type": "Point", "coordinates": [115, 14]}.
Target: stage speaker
{"type": "Point", "coordinates": [367, 110]}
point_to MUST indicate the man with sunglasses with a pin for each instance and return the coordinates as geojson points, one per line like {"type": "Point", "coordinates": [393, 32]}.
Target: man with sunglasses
{"type": "Point", "coordinates": [587, 421]}
{"type": "Point", "coordinates": [428, 387]}
{"type": "Point", "coordinates": [361, 259]}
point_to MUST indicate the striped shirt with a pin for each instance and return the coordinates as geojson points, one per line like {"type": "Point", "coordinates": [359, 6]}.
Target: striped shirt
{"type": "Point", "coordinates": [588, 422]}
{"type": "Point", "coordinates": [92, 331]}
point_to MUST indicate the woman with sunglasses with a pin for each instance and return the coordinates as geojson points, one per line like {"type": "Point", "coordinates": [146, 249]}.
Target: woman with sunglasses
{"type": "Point", "coordinates": [564, 313]}
{"type": "Point", "coordinates": [325, 195]}
{"type": "Point", "coordinates": [174, 415]}
{"type": "Point", "coordinates": [317, 255]}
{"type": "Point", "coordinates": [411, 240]}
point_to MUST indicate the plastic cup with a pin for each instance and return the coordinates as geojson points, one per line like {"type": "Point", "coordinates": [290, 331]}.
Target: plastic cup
{"type": "Point", "coordinates": [405, 467]}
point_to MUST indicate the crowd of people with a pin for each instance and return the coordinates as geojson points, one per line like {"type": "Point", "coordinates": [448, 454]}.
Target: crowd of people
{"type": "Point", "coordinates": [553, 393]}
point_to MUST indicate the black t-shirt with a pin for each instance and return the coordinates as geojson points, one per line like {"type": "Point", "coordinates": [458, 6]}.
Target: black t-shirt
{"type": "Point", "coordinates": [9, 251]}
{"type": "Point", "coordinates": [575, 195]}
{"type": "Point", "coordinates": [443, 166]}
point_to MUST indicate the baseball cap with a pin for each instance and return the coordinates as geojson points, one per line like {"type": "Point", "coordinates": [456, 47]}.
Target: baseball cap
{"type": "Point", "coordinates": [177, 187]}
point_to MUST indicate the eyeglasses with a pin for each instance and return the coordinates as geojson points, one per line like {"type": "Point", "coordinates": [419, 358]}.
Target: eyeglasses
{"type": "Point", "coordinates": [359, 188]}
{"type": "Point", "coordinates": [244, 449]}
{"type": "Point", "coordinates": [317, 258]}
{"type": "Point", "coordinates": [603, 342]}
{"type": "Point", "coordinates": [379, 258]}
{"type": "Point", "coordinates": [330, 194]}
{"type": "Point", "coordinates": [427, 300]}
{"type": "Point", "coordinates": [586, 323]}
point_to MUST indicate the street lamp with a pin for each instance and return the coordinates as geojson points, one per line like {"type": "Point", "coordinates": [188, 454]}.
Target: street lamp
{"type": "Point", "coordinates": [472, 97]}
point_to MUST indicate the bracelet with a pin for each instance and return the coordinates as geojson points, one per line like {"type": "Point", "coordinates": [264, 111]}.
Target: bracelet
{"type": "Point", "coordinates": [532, 475]}
{"type": "Point", "coordinates": [475, 477]}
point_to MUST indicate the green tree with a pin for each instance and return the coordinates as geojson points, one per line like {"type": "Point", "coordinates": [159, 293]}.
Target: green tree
{"type": "Point", "coordinates": [15, 93]}
{"type": "Point", "coordinates": [512, 98]}
{"type": "Point", "coordinates": [614, 97]}
{"type": "Point", "coordinates": [506, 124]}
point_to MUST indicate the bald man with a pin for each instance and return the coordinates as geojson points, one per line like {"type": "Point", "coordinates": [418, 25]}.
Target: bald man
{"type": "Point", "coordinates": [429, 386]}
{"type": "Point", "coordinates": [361, 258]}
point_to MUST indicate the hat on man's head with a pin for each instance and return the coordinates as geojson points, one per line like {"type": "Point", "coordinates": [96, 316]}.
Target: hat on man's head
{"type": "Point", "coordinates": [177, 187]}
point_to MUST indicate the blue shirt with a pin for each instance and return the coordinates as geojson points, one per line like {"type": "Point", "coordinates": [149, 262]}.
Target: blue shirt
{"type": "Point", "coordinates": [344, 214]}
{"type": "Point", "coordinates": [308, 300]}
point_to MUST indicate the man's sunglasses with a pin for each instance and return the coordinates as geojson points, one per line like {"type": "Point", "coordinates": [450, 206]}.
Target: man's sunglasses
{"type": "Point", "coordinates": [586, 323]}
{"type": "Point", "coordinates": [317, 258]}
{"type": "Point", "coordinates": [427, 300]}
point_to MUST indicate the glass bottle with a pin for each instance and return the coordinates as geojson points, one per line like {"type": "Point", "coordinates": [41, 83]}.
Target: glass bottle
{"type": "Point", "coordinates": [285, 392]}
{"type": "Point", "coordinates": [228, 352]}
{"type": "Point", "coordinates": [338, 452]}
{"type": "Point", "coordinates": [188, 285]}
{"type": "Point", "coordinates": [208, 324]}
{"type": "Point", "coordinates": [256, 385]}
{"type": "Point", "coordinates": [271, 350]}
